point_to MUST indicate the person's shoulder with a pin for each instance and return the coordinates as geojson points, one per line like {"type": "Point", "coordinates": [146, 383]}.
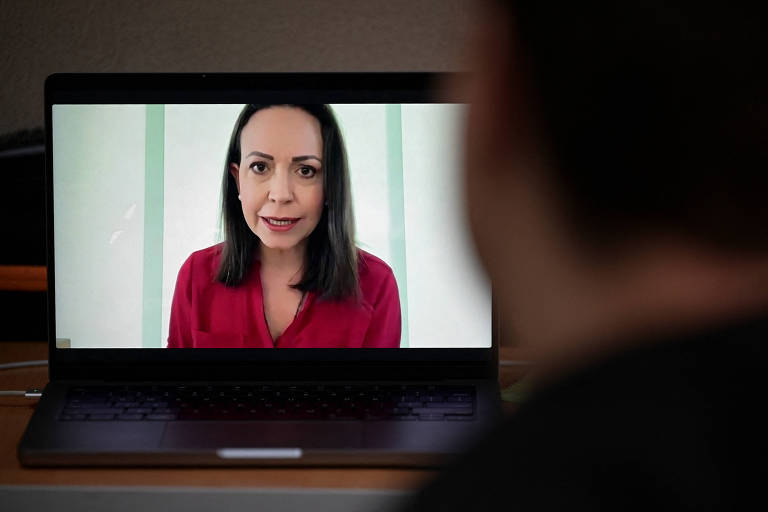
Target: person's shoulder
{"type": "Point", "coordinates": [728, 348]}
{"type": "Point", "coordinates": [375, 277]}
{"type": "Point", "coordinates": [370, 263]}
{"type": "Point", "coordinates": [605, 427]}
{"type": "Point", "coordinates": [372, 267]}
{"type": "Point", "coordinates": [209, 253]}
{"type": "Point", "coordinates": [206, 260]}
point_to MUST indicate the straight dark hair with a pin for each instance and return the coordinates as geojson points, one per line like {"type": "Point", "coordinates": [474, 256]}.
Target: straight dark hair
{"type": "Point", "coordinates": [331, 259]}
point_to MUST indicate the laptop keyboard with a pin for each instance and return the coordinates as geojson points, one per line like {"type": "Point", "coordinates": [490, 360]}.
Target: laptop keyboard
{"type": "Point", "coordinates": [270, 402]}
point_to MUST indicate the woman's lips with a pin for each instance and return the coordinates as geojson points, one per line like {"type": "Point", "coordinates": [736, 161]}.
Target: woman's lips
{"type": "Point", "coordinates": [279, 223]}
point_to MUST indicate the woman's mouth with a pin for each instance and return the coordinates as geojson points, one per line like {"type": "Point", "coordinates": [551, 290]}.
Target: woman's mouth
{"type": "Point", "coordinates": [280, 223]}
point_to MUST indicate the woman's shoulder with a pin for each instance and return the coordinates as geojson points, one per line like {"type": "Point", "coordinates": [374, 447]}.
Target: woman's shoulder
{"type": "Point", "coordinates": [209, 253]}
{"type": "Point", "coordinates": [376, 279]}
{"type": "Point", "coordinates": [370, 264]}
{"type": "Point", "coordinates": [373, 272]}
{"type": "Point", "coordinates": [204, 260]}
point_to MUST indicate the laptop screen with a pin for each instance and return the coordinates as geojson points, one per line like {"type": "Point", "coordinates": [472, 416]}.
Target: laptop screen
{"type": "Point", "coordinates": [148, 200]}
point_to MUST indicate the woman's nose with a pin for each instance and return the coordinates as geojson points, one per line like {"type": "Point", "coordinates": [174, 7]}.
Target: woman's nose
{"type": "Point", "coordinates": [280, 189]}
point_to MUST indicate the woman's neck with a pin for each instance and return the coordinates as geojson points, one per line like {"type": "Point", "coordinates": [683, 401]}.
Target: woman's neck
{"type": "Point", "coordinates": [283, 261]}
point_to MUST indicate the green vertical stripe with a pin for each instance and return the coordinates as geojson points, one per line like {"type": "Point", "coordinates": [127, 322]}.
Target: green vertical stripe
{"type": "Point", "coordinates": [397, 210]}
{"type": "Point", "coordinates": [154, 156]}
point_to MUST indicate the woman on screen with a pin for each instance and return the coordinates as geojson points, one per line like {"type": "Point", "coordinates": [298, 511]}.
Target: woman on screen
{"type": "Point", "coordinates": [288, 273]}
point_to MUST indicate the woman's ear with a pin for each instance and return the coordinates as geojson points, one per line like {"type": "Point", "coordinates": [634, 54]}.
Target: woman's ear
{"type": "Point", "coordinates": [234, 170]}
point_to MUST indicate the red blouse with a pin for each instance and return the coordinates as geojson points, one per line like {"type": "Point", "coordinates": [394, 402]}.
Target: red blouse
{"type": "Point", "coordinates": [207, 314]}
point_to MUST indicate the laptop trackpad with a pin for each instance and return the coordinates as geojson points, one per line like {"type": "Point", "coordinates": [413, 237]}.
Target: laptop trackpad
{"type": "Point", "coordinates": [263, 435]}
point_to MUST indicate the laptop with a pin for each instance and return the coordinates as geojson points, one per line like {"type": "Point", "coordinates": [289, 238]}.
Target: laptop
{"type": "Point", "coordinates": [158, 356]}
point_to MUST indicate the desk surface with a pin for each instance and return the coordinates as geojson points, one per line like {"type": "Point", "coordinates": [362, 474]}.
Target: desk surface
{"type": "Point", "coordinates": [15, 413]}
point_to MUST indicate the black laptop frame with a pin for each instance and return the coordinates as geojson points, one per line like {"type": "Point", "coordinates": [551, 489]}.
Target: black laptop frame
{"type": "Point", "coordinates": [230, 364]}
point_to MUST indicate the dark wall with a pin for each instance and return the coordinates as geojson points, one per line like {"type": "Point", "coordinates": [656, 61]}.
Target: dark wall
{"type": "Point", "coordinates": [22, 231]}
{"type": "Point", "coordinates": [40, 37]}
{"type": "Point", "coordinates": [22, 166]}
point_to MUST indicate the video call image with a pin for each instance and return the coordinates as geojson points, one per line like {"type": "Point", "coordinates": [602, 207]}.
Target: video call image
{"type": "Point", "coordinates": [264, 226]}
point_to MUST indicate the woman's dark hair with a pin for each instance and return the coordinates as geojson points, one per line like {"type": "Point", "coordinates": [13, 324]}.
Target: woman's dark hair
{"type": "Point", "coordinates": [331, 262]}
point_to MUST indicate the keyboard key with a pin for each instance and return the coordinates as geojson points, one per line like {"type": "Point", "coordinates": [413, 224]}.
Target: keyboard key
{"type": "Point", "coordinates": [72, 417]}
{"type": "Point", "coordinates": [101, 417]}
{"type": "Point", "coordinates": [431, 417]}
{"type": "Point", "coordinates": [91, 403]}
{"type": "Point", "coordinates": [160, 417]}
{"type": "Point", "coordinates": [102, 411]}
{"type": "Point", "coordinates": [462, 398]}
{"type": "Point", "coordinates": [409, 404]}
{"type": "Point", "coordinates": [341, 417]}
{"type": "Point", "coordinates": [427, 411]}
{"type": "Point", "coordinates": [130, 417]}
{"type": "Point", "coordinates": [127, 404]}
{"type": "Point", "coordinates": [166, 410]}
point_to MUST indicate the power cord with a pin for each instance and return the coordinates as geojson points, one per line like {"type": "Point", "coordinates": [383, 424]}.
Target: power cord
{"type": "Point", "coordinates": [515, 362]}
{"type": "Point", "coordinates": [30, 393]}
{"type": "Point", "coordinates": [24, 364]}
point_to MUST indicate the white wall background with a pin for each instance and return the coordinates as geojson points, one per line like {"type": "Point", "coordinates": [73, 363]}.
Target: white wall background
{"type": "Point", "coordinates": [99, 212]}
{"type": "Point", "coordinates": [449, 299]}
{"type": "Point", "coordinates": [364, 132]}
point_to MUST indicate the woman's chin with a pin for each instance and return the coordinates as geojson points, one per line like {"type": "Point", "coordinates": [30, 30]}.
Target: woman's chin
{"type": "Point", "coordinates": [274, 243]}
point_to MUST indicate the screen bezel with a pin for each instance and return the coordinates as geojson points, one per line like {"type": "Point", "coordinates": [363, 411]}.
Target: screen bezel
{"type": "Point", "coordinates": [243, 364]}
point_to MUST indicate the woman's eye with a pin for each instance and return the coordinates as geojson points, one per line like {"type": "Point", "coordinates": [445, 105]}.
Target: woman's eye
{"type": "Point", "coordinates": [306, 171]}
{"type": "Point", "coordinates": [258, 167]}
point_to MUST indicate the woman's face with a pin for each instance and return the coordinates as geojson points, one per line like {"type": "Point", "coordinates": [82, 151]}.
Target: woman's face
{"type": "Point", "coordinates": [280, 175]}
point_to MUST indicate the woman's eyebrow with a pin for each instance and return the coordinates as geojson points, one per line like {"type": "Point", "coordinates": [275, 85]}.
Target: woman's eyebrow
{"type": "Point", "coordinates": [305, 157]}
{"type": "Point", "coordinates": [259, 153]}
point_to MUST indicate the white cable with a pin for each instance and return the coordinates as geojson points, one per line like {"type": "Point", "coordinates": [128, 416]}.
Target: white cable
{"type": "Point", "coordinates": [30, 393]}
{"type": "Point", "coordinates": [22, 364]}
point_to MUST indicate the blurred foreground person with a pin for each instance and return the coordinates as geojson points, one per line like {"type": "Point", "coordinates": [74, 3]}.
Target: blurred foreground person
{"type": "Point", "coordinates": [616, 175]}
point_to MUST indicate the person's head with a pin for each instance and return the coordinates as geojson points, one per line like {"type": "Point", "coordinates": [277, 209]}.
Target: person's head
{"type": "Point", "coordinates": [598, 128]}
{"type": "Point", "coordinates": [279, 176]}
{"type": "Point", "coordinates": [286, 187]}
